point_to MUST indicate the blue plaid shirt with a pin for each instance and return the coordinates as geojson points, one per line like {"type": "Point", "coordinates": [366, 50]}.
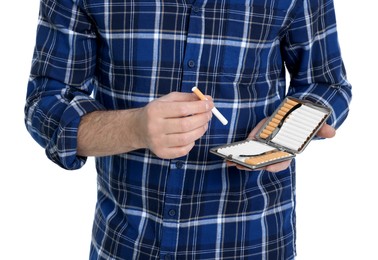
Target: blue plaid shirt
{"type": "Point", "coordinates": [114, 54]}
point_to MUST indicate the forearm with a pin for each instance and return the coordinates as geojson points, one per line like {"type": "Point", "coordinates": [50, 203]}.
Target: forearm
{"type": "Point", "coordinates": [313, 57]}
{"type": "Point", "coordinates": [103, 133]}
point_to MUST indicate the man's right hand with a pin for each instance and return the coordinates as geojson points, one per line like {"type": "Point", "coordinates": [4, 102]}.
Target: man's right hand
{"type": "Point", "coordinates": [170, 125]}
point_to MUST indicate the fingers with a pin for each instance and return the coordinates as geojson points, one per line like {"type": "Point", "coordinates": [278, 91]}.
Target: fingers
{"type": "Point", "coordinates": [186, 124]}
{"type": "Point", "coordinates": [170, 146]}
{"type": "Point", "coordinates": [326, 131]}
{"type": "Point", "coordinates": [185, 138]}
{"type": "Point", "coordinates": [240, 167]}
{"type": "Point", "coordinates": [172, 152]}
{"type": "Point", "coordinates": [182, 97]}
{"type": "Point", "coordinates": [178, 117]}
{"type": "Point", "coordinates": [174, 109]}
{"type": "Point", "coordinates": [277, 167]}
{"type": "Point", "coordinates": [256, 129]}
{"type": "Point", "coordinates": [173, 123]}
{"type": "Point", "coordinates": [177, 104]}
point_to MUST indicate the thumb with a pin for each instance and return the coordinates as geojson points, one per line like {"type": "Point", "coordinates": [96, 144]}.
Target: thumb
{"type": "Point", "coordinates": [179, 97]}
{"type": "Point", "coordinates": [326, 131]}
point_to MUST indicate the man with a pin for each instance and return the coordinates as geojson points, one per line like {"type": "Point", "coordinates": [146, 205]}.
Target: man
{"type": "Point", "coordinates": [112, 79]}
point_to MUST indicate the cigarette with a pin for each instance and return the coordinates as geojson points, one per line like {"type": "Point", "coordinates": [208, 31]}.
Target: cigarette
{"type": "Point", "coordinates": [214, 110]}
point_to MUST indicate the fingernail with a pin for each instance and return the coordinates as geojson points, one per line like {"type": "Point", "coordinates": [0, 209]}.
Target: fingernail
{"type": "Point", "coordinates": [207, 105]}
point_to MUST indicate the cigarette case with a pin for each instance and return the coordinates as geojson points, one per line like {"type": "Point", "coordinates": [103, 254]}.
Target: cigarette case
{"type": "Point", "coordinates": [285, 134]}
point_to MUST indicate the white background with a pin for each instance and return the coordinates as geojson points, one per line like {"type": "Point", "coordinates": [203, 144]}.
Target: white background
{"type": "Point", "coordinates": [46, 213]}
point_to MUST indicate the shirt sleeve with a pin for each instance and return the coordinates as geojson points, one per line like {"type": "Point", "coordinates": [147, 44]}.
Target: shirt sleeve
{"type": "Point", "coordinates": [61, 80]}
{"type": "Point", "coordinates": [313, 58]}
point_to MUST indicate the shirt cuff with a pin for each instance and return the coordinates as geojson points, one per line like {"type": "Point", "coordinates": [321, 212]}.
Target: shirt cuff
{"type": "Point", "coordinates": [336, 97]}
{"type": "Point", "coordinates": [62, 148]}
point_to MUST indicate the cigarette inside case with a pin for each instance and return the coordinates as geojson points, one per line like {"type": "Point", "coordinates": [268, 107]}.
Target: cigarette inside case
{"type": "Point", "coordinates": [266, 157]}
{"type": "Point", "coordinates": [293, 124]}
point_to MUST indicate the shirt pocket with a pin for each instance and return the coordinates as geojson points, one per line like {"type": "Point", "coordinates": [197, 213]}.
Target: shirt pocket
{"type": "Point", "coordinates": [251, 50]}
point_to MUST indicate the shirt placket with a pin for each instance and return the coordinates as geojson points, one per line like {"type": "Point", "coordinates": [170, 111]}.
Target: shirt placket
{"type": "Point", "coordinates": [193, 47]}
{"type": "Point", "coordinates": [171, 212]}
{"type": "Point", "coordinates": [176, 176]}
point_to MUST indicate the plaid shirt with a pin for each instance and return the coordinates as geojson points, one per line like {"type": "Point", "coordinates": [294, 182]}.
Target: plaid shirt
{"type": "Point", "coordinates": [112, 54]}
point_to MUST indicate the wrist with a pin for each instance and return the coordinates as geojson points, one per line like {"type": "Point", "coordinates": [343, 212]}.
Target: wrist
{"type": "Point", "coordinates": [133, 129]}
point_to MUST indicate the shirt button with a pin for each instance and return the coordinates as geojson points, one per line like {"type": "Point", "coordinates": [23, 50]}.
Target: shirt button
{"type": "Point", "coordinates": [179, 165]}
{"type": "Point", "coordinates": [195, 9]}
{"type": "Point", "coordinates": [191, 63]}
{"type": "Point", "coordinates": [172, 212]}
